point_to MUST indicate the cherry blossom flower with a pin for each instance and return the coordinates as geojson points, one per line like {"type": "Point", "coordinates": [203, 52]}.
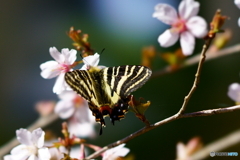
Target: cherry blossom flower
{"type": "Point", "coordinates": [115, 153]}
{"type": "Point", "coordinates": [56, 154]}
{"type": "Point", "coordinates": [184, 24]}
{"type": "Point", "coordinates": [234, 92]}
{"type": "Point", "coordinates": [62, 64]}
{"type": "Point", "coordinates": [31, 146]}
{"type": "Point", "coordinates": [237, 2]}
{"type": "Point", "coordinates": [184, 151]}
{"type": "Point", "coordinates": [45, 108]}
{"type": "Point", "coordinates": [91, 61]}
{"type": "Point", "coordinates": [73, 106]}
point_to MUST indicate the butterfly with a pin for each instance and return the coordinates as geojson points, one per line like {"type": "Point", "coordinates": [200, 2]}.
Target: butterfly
{"type": "Point", "coordinates": [107, 90]}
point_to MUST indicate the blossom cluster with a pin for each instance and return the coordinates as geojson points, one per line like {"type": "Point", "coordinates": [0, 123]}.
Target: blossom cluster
{"type": "Point", "coordinates": [32, 148]}
{"type": "Point", "coordinates": [70, 106]}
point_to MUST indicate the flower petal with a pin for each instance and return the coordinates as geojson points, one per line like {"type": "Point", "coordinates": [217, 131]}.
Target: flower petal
{"type": "Point", "coordinates": [69, 56]}
{"type": "Point", "coordinates": [60, 84]}
{"type": "Point", "coordinates": [50, 69]}
{"type": "Point", "coordinates": [83, 113]}
{"type": "Point", "coordinates": [8, 157]}
{"type": "Point", "coordinates": [64, 109]}
{"type": "Point", "coordinates": [56, 55]}
{"type": "Point", "coordinates": [38, 137]}
{"type": "Point", "coordinates": [20, 152]}
{"type": "Point", "coordinates": [187, 42]}
{"type": "Point", "coordinates": [234, 92]}
{"type": "Point", "coordinates": [33, 157]}
{"type": "Point", "coordinates": [92, 60]}
{"type": "Point", "coordinates": [81, 129]}
{"type": "Point", "coordinates": [237, 2]}
{"type": "Point", "coordinates": [197, 26]}
{"type": "Point", "coordinates": [24, 136]}
{"type": "Point", "coordinates": [168, 38]}
{"type": "Point", "coordinates": [181, 151]}
{"type": "Point", "coordinates": [113, 153]}
{"type": "Point", "coordinates": [68, 95]}
{"type": "Point", "coordinates": [44, 154]}
{"type": "Point", "coordinates": [188, 8]}
{"type": "Point", "coordinates": [165, 13]}
{"type": "Point", "coordinates": [55, 154]}
{"type": "Point", "coordinates": [122, 152]}
{"type": "Point", "coordinates": [239, 22]}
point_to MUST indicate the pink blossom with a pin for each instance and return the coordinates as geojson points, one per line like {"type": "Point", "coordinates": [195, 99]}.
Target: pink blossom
{"type": "Point", "coordinates": [62, 64]}
{"type": "Point", "coordinates": [185, 24]}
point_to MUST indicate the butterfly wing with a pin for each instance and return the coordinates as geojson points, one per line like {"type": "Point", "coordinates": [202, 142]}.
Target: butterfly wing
{"type": "Point", "coordinates": [81, 82]}
{"type": "Point", "coordinates": [125, 79]}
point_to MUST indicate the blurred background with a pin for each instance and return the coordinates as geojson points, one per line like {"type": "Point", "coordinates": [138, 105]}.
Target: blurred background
{"type": "Point", "coordinates": [30, 27]}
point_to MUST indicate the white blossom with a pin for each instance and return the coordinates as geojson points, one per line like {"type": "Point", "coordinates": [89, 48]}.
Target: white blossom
{"type": "Point", "coordinates": [31, 147]}
{"type": "Point", "coordinates": [237, 2]}
{"type": "Point", "coordinates": [114, 153]}
{"type": "Point", "coordinates": [234, 92]}
{"type": "Point", "coordinates": [90, 61]}
{"type": "Point", "coordinates": [73, 106]}
{"type": "Point", "coordinates": [56, 154]}
{"type": "Point", "coordinates": [185, 24]}
{"type": "Point", "coordinates": [62, 64]}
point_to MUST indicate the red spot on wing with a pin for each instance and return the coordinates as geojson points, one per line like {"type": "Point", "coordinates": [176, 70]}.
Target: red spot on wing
{"type": "Point", "coordinates": [105, 110]}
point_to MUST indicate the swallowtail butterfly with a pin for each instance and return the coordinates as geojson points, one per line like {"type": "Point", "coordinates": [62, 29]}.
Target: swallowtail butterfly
{"type": "Point", "coordinates": [107, 90]}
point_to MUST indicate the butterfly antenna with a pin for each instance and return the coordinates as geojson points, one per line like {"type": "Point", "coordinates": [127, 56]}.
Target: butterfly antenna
{"type": "Point", "coordinates": [102, 51]}
{"type": "Point", "coordinates": [81, 56]}
{"type": "Point", "coordinates": [85, 60]}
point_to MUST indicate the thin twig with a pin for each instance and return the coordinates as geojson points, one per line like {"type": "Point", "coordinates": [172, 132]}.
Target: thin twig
{"type": "Point", "coordinates": [162, 122]}
{"type": "Point", "coordinates": [42, 121]}
{"type": "Point", "coordinates": [197, 76]}
{"type": "Point", "coordinates": [194, 60]}
{"type": "Point", "coordinates": [211, 112]}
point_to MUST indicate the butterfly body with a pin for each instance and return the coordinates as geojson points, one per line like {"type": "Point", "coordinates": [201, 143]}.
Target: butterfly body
{"type": "Point", "coordinates": [107, 90]}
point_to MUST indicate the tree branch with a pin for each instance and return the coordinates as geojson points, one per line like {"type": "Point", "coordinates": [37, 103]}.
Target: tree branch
{"type": "Point", "coordinates": [211, 112]}
{"type": "Point", "coordinates": [162, 122]}
{"type": "Point", "coordinates": [193, 60]}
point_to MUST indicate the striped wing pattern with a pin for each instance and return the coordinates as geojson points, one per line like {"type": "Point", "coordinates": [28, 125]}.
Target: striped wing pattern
{"type": "Point", "coordinates": [126, 79]}
{"type": "Point", "coordinates": [107, 90]}
{"type": "Point", "coordinates": [81, 82]}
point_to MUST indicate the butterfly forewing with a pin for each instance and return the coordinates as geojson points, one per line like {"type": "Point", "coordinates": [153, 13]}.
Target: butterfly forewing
{"type": "Point", "coordinates": [81, 82]}
{"type": "Point", "coordinates": [126, 79]}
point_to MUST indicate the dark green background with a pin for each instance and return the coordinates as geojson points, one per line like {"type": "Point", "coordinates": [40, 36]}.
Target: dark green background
{"type": "Point", "coordinates": [29, 27]}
